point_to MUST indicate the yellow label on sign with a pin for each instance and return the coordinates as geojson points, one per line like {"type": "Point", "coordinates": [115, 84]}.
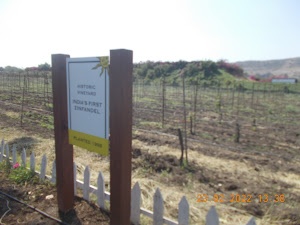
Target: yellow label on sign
{"type": "Point", "coordinates": [89, 142]}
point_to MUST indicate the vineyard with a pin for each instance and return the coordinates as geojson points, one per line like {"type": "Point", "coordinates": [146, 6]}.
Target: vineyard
{"type": "Point", "coordinates": [240, 137]}
{"type": "Point", "coordinates": [260, 117]}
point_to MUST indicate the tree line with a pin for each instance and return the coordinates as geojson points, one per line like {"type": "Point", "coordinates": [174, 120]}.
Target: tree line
{"type": "Point", "coordinates": [41, 67]}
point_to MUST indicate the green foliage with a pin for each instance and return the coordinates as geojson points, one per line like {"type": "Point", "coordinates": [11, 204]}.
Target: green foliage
{"type": "Point", "coordinates": [184, 164]}
{"type": "Point", "coordinates": [6, 167]}
{"type": "Point", "coordinates": [21, 175]}
{"type": "Point", "coordinates": [218, 103]}
{"type": "Point", "coordinates": [151, 124]}
{"type": "Point", "coordinates": [180, 64]}
{"type": "Point", "coordinates": [44, 67]}
{"type": "Point", "coordinates": [210, 69]}
{"type": "Point", "coordinates": [194, 72]}
{"type": "Point", "coordinates": [165, 173]}
{"type": "Point", "coordinates": [292, 109]}
{"type": "Point", "coordinates": [12, 69]}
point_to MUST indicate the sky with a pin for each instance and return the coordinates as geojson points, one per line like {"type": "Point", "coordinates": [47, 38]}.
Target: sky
{"type": "Point", "coordinates": [156, 30]}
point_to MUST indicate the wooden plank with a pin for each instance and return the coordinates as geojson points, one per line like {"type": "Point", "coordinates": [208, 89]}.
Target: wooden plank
{"type": "Point", "coordinates": [14, 155]}
{"type": "Point", "coordinates": [212, 217]}
{"type": "Point", "coordinates": [75, 177]}
{"type": "Point", "coordinates": [158, 208]}
{"type": "Point", "coordinates": [135, 204]}
{"type": "Point", "coordinates": [2, 150]}
{"type": "Point", "coordinates": [53, 177]}
{"type": "Point", "coordinates": [23, 156]}
{"type": "Point", "coordinates": [120, 94]}
{"type": "Point", "coordinates": [43, 167]}
{"type": "Point", "coordinates": [184, 115]}
{"type": "Point", "coordinates": [92, 189]}
{"type": "Point", "coordinates": [63, 150]}
{"type": "Point", "coordinates": [101, 190]}
{"type": "Point", "coordinates": [32, 162]}
{"type": "Point", "coordinates": [181, 145]}
{"type": "Point", "coordinates": [183, 211]}
{"type": "Point", "coordinates": [149, 214]}
{"type": "Point", "coordinates": [86, 184]}
{"type": "Point", "coordinates": [7, 153]}
{"type": "Point", "coordinates": [251, 221]}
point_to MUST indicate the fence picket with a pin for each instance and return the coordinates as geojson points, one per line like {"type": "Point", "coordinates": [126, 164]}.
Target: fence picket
{"type": "Point", "coordinates": [14, 155]}
{"type": "Point", "coordinates": [135, 204]}
{"type": "Point", "coordinates": [86, 184]}
{"type": "Point", "coordinates": [7, 153]}
{"type": "Point", "coordinates": [43, 167]}
{"type": "Point", "coordinates": [158, 208]}
{"type": "Point", "coordinates": [101, 190]}
{"type": "Point", "coordinates": [32, 162]}
{"type": "Point", "coordinates": [183, 211]}
{"type": "Point", "coordinates": [212, 217]}
{"type": "Point", "coordinates": [2, 150]}
{"type": "Point", "coordinates": [75, 177]}
{"type": "Point", "coordinates": [23, 156]}
{"type": "Point", "coordinates": [251, 221]}
{"type": "Point", "coordinates": [53, 178]}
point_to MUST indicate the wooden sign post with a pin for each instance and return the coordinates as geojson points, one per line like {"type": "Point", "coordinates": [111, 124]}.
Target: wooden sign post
{"type": "Point", "coordinates": [75, 108]}
{"type": "Point", "coordinates": [63, 150]}
{"type": "Point", "coordinates": [120, 81]}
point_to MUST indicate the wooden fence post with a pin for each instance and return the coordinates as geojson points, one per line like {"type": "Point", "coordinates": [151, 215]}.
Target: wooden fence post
{"type": "Point", "coordinates": [184, 115]}
{"type": "Point", "coordinates": [63, 150]}
{"type": "Point", "coordinates": [233, 90]}
{"type": "Point", "coordinates": [181, 146]}
{"type": "Point", "coordinates": [163, 101]}
{"type": "Point", "coordinates": [22, 109]}
{"type": "Point", "coordinates": [120, 94]}
{"type": "Point", "coordinates": [252, 96]}
{"type": "Point", "coordinates": [195, 104]}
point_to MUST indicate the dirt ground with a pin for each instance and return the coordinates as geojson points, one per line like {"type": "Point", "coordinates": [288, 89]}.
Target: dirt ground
{"type": "Point", "coordinates": [212, 171]}
{"type": "Point", "coordinates": [43, 197]}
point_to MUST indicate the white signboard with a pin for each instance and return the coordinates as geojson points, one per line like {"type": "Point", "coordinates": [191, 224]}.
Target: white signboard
{"type": "Point", "coordinates": [88, 103]}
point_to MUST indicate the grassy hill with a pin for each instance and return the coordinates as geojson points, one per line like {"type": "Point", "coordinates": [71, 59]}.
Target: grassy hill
{"type": "Point", "coordinates": [198, 71]}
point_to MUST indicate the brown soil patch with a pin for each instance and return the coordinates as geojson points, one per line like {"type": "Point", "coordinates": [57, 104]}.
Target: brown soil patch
{"type": "Point", "coordinates": [35, 195]}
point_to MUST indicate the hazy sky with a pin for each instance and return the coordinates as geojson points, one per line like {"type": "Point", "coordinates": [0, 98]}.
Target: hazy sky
{"type": "Point", "coordinates": [165, 30]}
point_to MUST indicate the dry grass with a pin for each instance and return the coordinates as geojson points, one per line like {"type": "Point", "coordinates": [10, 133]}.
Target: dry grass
{"type": "Point", "coordinates": [172, 194]}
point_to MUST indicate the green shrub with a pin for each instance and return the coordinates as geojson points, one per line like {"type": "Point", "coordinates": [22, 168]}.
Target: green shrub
{"type": "Point", "coordinates": [21, 175]}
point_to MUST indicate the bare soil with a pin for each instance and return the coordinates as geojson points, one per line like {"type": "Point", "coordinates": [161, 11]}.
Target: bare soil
{"type": "Point", "coordinates": [212, 171]}
{"type": "Point", "coordinates": [36, 195]}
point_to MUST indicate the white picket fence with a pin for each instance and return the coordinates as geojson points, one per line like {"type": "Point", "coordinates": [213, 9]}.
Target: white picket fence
{"type": "Point", "coordinates": [212, 217]}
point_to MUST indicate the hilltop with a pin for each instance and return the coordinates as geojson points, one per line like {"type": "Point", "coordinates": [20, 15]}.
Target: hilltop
{"type": "Point", "coordinates": [289, 67]}
{"type": "Point", "coordinates": [197, 71]}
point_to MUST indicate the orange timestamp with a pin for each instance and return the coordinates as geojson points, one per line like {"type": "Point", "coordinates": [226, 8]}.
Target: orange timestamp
{"type": "Point", "coordinates": [242, 198]}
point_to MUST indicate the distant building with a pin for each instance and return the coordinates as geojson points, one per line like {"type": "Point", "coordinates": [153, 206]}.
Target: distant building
{"type": "Point", "coordinates": [284, 80]}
